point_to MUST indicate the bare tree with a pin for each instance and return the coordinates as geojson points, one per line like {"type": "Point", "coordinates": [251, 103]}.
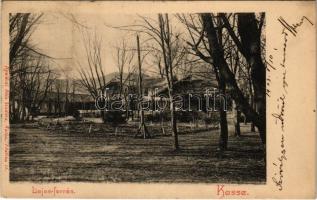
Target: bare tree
{"type": "Point", "coordinates": [222, 49]}
{"type": "Point", "coordinates": [165, 34]}
{"type": "Point", "coordinates": [200, 47]}
{"type": "Point", "coordinates": [124, 58]}
{"type": "Point", "coordinates": [30, 71]}
{"type": "Point", "coordinates": [250, 46]}
{"type": "Point", "coordinates": [92, 77]}
{"type": "Point", "coordinates": [142, 127]}
{"type": "Point", "coordinates": [166, 44]}
{"type": "Point", "coordinates": [250, 29]}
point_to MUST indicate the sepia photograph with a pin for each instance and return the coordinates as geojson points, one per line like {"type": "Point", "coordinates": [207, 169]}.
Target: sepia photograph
{"type": "Point", "coordinates": [158, 99]}
{"type": "Point", "coordinates": [137, 98]}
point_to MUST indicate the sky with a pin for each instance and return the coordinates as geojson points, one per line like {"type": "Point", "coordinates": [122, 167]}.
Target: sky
{"type": "Point", "coordinates": [59, 37]}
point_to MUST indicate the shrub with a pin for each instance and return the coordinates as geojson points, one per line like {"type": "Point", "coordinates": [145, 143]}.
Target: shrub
{"type": "Point", "coordinates": [114, 117]}
{"type": "Point", "coordinates": [158, 117]}
{"type": "Point", "coordinates": [76, 115]}
{"type": "Point", "coordinates": [212, 118]}
{"type": "Point", "coordinates": [186, 116]}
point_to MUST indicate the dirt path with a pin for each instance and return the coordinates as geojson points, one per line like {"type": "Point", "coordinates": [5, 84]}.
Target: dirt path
{"type": "Point", "coordinates": [39, 155]}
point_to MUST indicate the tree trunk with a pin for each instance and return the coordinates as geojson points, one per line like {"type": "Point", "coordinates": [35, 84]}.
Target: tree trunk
{"type": "Point", "coordinates": [237, 131]}
{"type": "Point", "coordinates": [223, 138]}
{"type": "Point", "coordinates": [174, 123]}
{"type": "Point", "coordinates": [252, 123]}
{"type": "Point", "coordinates": [142, 127]}
{"type": "Point", "coordinates": [251, 41]}
{"type": "Point", "coordinates": [236, 119]}
{"type": "Point", "coordinates": [23, 112]}
{"type": "Point", "coordinates": [165, 35]}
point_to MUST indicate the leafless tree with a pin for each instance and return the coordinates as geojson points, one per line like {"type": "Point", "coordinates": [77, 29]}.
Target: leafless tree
{"type": "Point", "coordinates": [200, 47]}
{"type": "Point", "coordinates": [124, 57]}
{"type": "Point", "coordinates": [214, 39]}
{"type": "Point", "coordinates": [92, 77]}
{"type": "Point", "coordinates": [169, 52]}
{"type": "Point", "coordinates": [30, 71]}
{"type": "Point", "coordinates": [250, 45]}
{"type": "Point", "coordinates": [21, 28]}
{"type": "Point", "coordinates": [249, 32]}
{"type": "Point", "coordinates": [165, 35]}
{"type": "Point", "coordinates": [142, 127]}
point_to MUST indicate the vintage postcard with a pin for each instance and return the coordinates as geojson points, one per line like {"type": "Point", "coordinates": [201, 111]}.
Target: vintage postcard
{"type": "Point", "coordinates": [158, 99]}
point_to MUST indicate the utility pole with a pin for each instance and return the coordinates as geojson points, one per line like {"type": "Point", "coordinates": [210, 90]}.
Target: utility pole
{"type": "Point", "coordinates": [142, 128]}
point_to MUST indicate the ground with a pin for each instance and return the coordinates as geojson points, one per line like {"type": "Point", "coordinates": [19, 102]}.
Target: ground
{"type": "Point", "coordinates": [41, 155]}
